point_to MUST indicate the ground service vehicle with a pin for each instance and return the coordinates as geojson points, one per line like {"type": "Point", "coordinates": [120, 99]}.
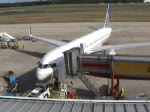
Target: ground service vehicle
{"type": "Point", "coordinates": [13, 43]}
{"type": "Point", "coordinates": [3, 43]}
{"type": "Point", "coordinates": [41, 90]}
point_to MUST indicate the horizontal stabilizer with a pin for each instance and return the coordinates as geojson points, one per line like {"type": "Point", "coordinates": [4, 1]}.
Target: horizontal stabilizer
{"type": "Point", "coordinates": [122, 46]}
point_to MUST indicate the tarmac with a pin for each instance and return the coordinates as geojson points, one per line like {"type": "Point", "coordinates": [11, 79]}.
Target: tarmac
{"type": "Point", "coordinates": [24, 61]}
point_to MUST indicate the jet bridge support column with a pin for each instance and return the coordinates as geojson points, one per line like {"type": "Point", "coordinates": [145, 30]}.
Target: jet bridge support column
{"type": "Point", "coordinates": [114, 88]}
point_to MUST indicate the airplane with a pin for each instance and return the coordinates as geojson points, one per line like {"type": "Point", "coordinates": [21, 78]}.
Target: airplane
{"type": "Point", "coordinates": [53, 62]}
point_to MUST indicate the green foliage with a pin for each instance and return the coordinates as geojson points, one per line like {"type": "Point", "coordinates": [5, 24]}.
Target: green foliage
{"type": "Point", "coordinates": [74, 13]}
{"type": "Point", "coordinates": [41, 2]}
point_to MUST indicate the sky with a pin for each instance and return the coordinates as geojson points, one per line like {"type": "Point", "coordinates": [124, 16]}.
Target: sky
{"type": "Point", "coordinates": [13, 1]}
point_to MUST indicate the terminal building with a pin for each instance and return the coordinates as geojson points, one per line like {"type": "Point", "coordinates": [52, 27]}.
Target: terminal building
{"type": "Point", "coordinates": [62, 105]}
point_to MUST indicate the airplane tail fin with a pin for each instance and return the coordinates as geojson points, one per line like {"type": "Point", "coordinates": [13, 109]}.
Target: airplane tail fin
{"type": "Point", "coordinates": [108, 14]}
{"type": "Point", "coordinates": [30, 31]}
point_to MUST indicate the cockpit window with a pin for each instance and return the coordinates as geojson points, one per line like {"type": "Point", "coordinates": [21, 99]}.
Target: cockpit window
{"type": "Point", "coordinates": [40, 65]}
{"type": "Point", "coordinates": [43, 66]}
{"type": "Point", "coordinates": [52, 65]}
{"type": "Point", "coordinates": [46, 66]}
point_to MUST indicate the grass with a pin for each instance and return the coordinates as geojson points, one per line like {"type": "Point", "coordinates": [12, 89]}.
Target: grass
{"type": "Point", "coordinates": [74, 13]}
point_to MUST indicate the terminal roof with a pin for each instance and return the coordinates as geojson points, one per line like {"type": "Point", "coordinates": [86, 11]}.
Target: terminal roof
{"type": "Point", "coordinates": [12, 104]}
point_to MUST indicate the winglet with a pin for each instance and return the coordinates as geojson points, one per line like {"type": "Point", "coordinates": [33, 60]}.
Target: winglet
{"type": "Point", "coordinates": [30, 31]}
{"type": "Point", "coordinates": [107, 20]}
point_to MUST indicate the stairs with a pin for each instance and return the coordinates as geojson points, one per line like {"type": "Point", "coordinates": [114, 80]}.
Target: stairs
{"type": "Point", "coordinates": [89, 85]}
{"type": "Point", "coordinates": [104, 64]}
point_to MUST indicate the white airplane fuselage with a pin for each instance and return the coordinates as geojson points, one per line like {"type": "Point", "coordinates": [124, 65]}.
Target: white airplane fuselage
{"type": "Point", "coordinates": [54, 60]}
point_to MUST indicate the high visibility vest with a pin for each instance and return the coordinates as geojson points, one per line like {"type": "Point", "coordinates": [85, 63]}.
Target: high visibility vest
{"type": "Point", "coordinates": [122, 92]}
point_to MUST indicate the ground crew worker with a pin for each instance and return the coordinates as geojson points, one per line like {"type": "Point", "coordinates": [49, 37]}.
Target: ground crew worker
{"type": "Point", "coordinates": [15, 89]}
{"type": "Point", "coordinates": [11, 72]}
{"type": "Point", "coordinates": [23, 46]}
{"type": "Point", "coordinates": [122, 94]}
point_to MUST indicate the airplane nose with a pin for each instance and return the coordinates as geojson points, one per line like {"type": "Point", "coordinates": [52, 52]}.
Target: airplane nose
{"type": "Point", "coordinates": [40, 77]}
{"type": "Point", "coordinates": [44, 74]}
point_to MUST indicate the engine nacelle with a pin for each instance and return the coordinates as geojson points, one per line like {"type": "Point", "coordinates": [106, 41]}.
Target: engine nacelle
{"type": "Point", "coordinates": [113, 52]}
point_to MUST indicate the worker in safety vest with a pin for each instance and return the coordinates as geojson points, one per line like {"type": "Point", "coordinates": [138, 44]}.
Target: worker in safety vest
{"type": "Point", "coordinates": [122, 94]}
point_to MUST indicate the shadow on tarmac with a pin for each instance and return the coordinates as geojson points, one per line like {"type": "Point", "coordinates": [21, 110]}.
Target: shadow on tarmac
{"type": "Point", "coordinates": [35, 54]}
{"type": "Point", "coordinates": [85, 94]}
{"type": "Point", "coordinates": [27, 81]}
{"type": "Point", "coordinates": [66, 41]}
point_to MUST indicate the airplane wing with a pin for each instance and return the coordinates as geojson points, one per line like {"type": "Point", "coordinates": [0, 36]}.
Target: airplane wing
{"type": "Point", "coordinates": [121, 46]}
{"type": "Point", "coordinates": [50, 41]}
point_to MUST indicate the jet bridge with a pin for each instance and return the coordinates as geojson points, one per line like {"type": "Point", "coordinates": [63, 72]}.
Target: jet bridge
{"type": "Point", "coordinates": [123, 66]}
{"type": "Point", "coordinates": [113, 67]}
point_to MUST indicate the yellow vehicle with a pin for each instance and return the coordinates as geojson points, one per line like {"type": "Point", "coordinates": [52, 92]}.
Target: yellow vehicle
{"type": "Point", "coordinates": [10, 41]}
{"type": "Point", "coordinates": [13, 44]}
{"type": "Point", "coordinates": [3, 44]}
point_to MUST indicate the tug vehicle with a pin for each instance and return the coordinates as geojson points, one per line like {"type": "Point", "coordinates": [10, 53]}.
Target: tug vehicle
{"type": "Point", "coordinates": [41, 90]}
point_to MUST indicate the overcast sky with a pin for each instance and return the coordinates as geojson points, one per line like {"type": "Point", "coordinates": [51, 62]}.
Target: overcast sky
{"type": "Point", "coordinates": [13, 1]}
